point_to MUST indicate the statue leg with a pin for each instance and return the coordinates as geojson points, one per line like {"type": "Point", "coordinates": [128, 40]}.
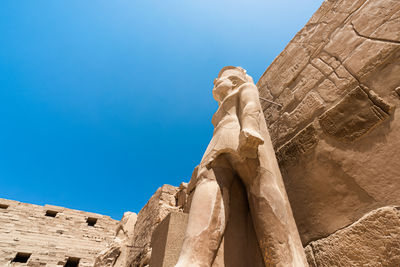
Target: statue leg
{"type": "Point", "coordinates": [275, 227]}
{"type": "Point", "coordinates": [207, 216]}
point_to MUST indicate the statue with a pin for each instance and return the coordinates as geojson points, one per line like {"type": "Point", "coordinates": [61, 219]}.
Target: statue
{"type": "Point", "coordinates": [240, 152]}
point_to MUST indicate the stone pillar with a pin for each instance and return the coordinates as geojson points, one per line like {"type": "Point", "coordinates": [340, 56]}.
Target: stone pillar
{"type": "Point", "coordinates": [167, 239]}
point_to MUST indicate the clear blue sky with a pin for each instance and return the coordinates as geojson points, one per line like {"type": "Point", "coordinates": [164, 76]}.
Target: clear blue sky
{"type": "Point", "coordinates": [102, 102]}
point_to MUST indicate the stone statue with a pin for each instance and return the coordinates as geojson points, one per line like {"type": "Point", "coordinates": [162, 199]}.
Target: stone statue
{"type": "Point", "coordinates": [240, 155]}
{"type": "Point", "coordinates": [117, 252]}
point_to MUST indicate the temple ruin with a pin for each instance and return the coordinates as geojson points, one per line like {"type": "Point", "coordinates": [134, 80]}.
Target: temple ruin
{"type": "Point", "coordinates": [330, 102]}
{"type": "Point", "coordinates": [32, 235]}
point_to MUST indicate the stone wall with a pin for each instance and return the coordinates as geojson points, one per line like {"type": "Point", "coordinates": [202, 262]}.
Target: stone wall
{"type": "Point", "coordinates": [337, 131]}
{"type": "Point", "coordinates": [371, 241]}
{"type": "Point", "coordinates": [132, 246]}
{"type": "Point", "coordinates": [118, 252]}
{"type": "Point", "coordinates": [51, 235]}
{"type": "Point", "coordinates": [49, 240]}
{"type": "Point", "coordinates": [165, 200]}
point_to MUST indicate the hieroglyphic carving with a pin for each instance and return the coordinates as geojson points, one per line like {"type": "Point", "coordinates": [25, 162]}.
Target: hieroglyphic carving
{"type": "Point", "coordinates": [354, 116]}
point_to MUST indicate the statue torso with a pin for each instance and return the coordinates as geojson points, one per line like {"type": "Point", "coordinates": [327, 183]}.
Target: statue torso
{"type": "Point", "coordinates": [226, 129]}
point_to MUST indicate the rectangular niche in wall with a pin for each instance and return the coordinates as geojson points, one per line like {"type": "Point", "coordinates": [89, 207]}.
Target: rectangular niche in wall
{"type": "Point", "coordinates": [51, 213]}
{"type": "Point", "coordinates": [72, 262]}
{"type": "Point", "coordinates": [3, 206]}
{"type": "Point", "coordinates": [21, 257]}
{"type": "Point", "coordinates": [91, 221]}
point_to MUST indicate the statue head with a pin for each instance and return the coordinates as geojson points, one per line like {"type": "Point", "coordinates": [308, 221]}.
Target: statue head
{"type": "Point", "coordinates": [228, 79]}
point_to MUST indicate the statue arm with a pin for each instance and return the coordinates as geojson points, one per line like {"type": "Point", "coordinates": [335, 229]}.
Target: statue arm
{"type": "Point", "coordinates": [249, 113]}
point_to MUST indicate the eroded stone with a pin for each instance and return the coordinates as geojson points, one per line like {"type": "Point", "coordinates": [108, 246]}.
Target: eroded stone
{"type": "Point", "coordinates": [374, 240]}
{"type": "Point", "coordinates": [53, 238]}
{"type": "Point", "coordinates": [298, 145]}
{"type": "Point", "coordinates": [167, 240]}
{"type": "Point", "coordinates": [340, 180]}
{"type": "Point", "coordinates": [157, 208]}
{"type": "Point", "coordinates": [354, 116]}
{"type": "Point", "coordinates": [118, 252]}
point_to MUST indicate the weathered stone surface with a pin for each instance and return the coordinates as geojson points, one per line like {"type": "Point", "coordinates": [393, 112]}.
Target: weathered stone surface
{"type": "Point", "coordinates": [397, 90]}
{"type": "Point", "coordinates": [109, 256]}
{"type": "Point", "coordinates": [298, 145]}
{"type": "Point", "coordinates": [308, 42]}
{"type": "Point", "coordinates": [310, 256]}
{"type": "Point", "coordinates": [157, 208]}
{"type": "Point", "coordinates": [25, 228]}
{"type": "Point", "coordinates": [348, 55]}
{"type": "Point", "coordinates": [118, 251]}
{"type": "Point", "coordinates": [377, 15]}
{"type": "Point", "coordinates": [348, 39]}
{"type": "Point", "coordinates": [289, 123]}
{"type": "Point", "coordinates": [307, 79]}
{"type": "Point", "coordinates": [167, 240]}
{"type": "Point", "coordinates": [374, 240]}
{"type": "Point", "coordinates": [368, 56]}
{"type": "Point", "coordinates": [181, 196]}
{"type": "Point", "coordinates": [335, 184]}
{"type": "Point", "coordinates": [354, 116]}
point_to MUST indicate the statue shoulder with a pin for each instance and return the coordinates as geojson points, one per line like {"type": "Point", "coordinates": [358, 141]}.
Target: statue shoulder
{"type": "Point", "coordinates": [247, 87]}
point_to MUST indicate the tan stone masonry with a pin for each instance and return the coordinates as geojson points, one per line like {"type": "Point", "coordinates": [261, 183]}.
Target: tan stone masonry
{"type": "Point", "coordinates": [49, 240]}
{"type": "Point", "coordinates": [337, 134]}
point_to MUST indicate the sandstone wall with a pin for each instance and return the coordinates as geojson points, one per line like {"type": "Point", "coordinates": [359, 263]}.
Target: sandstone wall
{"type": "Point", "coordinates": [165, 200]}
{"type": "Point", "coordinates": [118, 252]}
{"type": "Point", "coordinates": [371, 241]}
{"type": "Point", "coordinates": [337, 133]}
{"type": "Point", "coordinates": [25, 228]}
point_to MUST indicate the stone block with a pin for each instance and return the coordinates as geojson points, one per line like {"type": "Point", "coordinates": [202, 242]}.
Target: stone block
{"type": "Point", "coordinates": [280, 75]}
{"type": "Point", "coordinates": [298, 145]}
{"type": "Point", "coordinates": [322, 66]}
{"type": "Point", "coordinates": [397, 90]}
{"type": "Point", "coordinates": [305, 112]}
{"type": "Point", "coordinates": [390, 29]}
{"type": "Point", "coordinates": [167, 240]}
{"type": "Point", "coordinates": [374, 240]}
{"type": "Point", "coordinates": [343, 42]}
{"type": "Point", "coordinates": [354, 116]}
{"type": "Point", "coordinates": [306, 81]}
{"type": "Point", "coordinates": [156, 209]}
{"type": "Point", "coordinates": [51, 240]}
{"type": "Point", "coordinates": [181, 196]}
{"type": "Point", "coordinates": [342, 176]}
{"type": "Point", "coordinates": [306, 109]}
{"type": "Point", "coordinates": [310, 256]}
{"type": "Point", "coordinates": [368, 56]}
{"type": "Point", "coordinates": [328, 91]}
{"type": "Point", "coordinates": [376, 14]}
{"type": "Point", "coordinates": [118, 251]}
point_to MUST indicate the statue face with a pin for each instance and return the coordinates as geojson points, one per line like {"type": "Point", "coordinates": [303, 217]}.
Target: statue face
{"type": "Point", "coordinates": [228, 80]}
